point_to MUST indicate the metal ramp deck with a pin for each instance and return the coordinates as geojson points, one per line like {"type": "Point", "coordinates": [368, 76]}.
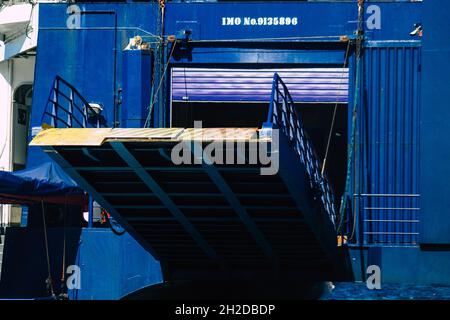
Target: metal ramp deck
{"type": "Point", "coordinates": [200, 217]}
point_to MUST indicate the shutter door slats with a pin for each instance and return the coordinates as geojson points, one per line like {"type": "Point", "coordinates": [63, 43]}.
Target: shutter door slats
{"type": "Point", "coordinates": [321, 85]}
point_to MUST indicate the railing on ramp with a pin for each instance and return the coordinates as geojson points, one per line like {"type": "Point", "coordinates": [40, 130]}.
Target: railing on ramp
{"type": "Point", "coordinates": [284, 116]}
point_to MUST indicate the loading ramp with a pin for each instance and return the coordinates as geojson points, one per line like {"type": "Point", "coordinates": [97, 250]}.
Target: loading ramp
{"type": "Point", "coordinates": [199, 217]}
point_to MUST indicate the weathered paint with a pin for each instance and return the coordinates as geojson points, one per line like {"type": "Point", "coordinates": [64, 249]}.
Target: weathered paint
{"type": "Point", "coordinates": [96, 137]}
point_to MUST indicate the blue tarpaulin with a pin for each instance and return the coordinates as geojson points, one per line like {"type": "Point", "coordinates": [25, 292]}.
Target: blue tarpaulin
{"type": "Point", "coordinates": [46, 180]}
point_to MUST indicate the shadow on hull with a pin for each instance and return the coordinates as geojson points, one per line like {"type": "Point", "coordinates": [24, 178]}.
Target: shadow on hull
{"type": "Point", "coordinates": [220, 290]}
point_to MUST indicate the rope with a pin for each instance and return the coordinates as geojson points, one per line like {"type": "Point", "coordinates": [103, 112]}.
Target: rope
{"type": "Point", "coordinates": [352, 235]}
{"type": "Point", "coordinates": [147, 122]}
{"type": "Point", "coordinates": [63, 269]}
{"type": "Point", "coordinates": [157, 62]}
{"type": "Point", "coordinates": [159, 49]}
{"type": "Point", "coordinates": [327, 150]}
{"type": "Point", "coordinates": [49, 280]}
{"type": "Point", "coordinates": [354, 119]}
{"type": "Point", "coordinates": [350, 153]}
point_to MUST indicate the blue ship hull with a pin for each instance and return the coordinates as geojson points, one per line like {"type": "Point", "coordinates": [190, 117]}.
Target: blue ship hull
{"type": "Point", "coordinates": [396, 195]}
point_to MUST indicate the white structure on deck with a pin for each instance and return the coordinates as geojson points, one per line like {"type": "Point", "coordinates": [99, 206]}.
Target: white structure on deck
{"type": "Point", "coordinates": [18, 41]}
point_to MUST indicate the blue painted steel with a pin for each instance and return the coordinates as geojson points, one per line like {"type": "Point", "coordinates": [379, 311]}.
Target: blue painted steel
{"type": "Point", "coordinates": [434, 126]}
{"type": "Point", "coordinates": [282, 114]}
{"type": "Point", "coordinates": [136, 80]}
{"type": "Point", "coordinates": [24, 216]}
{"type": "Point", "coordinates": [111, 266]}
{"type": "Point", "coordinates": [387, 163]}
{"type": "Point", "coordinates": [387, 195]}
{"type": "Point", "coordinates": [127, 266]}
{"type": "Point", "coordinates": [87, 57]}
{"type": "Point", "coordinates": [323, 21]}
{"type": "Point", "coordinates": [79, 56]}
{"type": "Point", "coordinates": [405, 265]}
{"type": "Point", "coordinates": [252, 54]}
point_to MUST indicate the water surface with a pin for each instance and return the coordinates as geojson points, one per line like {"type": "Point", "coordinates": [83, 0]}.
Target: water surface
{"type": "Point", "coordinates": [359, 291]}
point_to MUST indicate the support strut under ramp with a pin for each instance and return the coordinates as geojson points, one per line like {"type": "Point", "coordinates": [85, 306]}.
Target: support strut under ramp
{"type": "Point", "coordinates": [201, 218]}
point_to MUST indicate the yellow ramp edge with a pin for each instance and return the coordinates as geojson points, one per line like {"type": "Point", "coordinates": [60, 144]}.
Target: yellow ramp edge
{"type": "Point", "coordinates": [96, 137]}
{"type": "Point", "coordinates": [70, 137]}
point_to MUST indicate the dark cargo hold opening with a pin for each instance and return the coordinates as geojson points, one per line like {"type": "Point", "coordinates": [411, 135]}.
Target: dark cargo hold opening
{"type": "Point", "coordinates": [240, 98]}
{"type": "Point", "coordinates": [316, 118]}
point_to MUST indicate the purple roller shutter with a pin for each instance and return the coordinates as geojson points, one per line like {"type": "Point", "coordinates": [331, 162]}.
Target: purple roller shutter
{"type": "Point", "coordinates": [319, 85]}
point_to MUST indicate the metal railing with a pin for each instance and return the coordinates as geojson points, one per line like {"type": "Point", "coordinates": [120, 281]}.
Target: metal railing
{"type": "Point", "coordinates": [66, 108]}
{"type": "Point", "coordinates": [388, 219]}
{"type": "Point", "coordinates": [284, 115]}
